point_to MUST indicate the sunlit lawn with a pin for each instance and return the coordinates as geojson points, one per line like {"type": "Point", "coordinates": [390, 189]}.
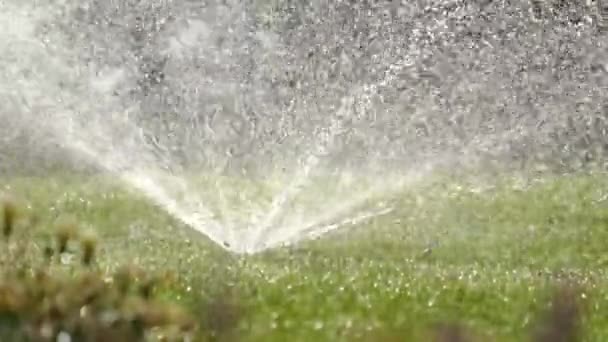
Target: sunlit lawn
{"type": "Point", "coordinates": [487, 257]}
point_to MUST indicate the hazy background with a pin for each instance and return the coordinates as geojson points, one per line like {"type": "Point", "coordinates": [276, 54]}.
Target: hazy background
{"type": "Point", "coordinates": [256, 85]}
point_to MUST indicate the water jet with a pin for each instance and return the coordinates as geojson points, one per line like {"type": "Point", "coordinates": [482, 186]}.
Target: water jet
{"type": "Point", "coordinates": [232, 114]}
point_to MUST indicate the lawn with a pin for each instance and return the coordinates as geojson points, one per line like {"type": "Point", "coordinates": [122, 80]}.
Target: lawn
{"type": "Point", "coordinates": [485, 259]}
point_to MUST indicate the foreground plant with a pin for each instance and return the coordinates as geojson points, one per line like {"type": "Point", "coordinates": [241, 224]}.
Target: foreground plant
{"type": "Point", "coordinates": [43, 298]}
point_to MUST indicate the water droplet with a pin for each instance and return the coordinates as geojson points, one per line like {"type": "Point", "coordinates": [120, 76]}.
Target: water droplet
{"type": "Point", "coordinates": [64, 337]}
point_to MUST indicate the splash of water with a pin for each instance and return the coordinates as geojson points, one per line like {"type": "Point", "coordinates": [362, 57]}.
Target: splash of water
{"type": "Point", "coordinates": [263, 104]}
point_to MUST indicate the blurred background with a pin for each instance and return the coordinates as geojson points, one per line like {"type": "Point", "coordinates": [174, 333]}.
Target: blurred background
{"type": "Point", "coordinates": [244, 86]}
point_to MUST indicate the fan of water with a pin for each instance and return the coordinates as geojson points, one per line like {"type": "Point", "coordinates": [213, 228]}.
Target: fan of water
{"type": "Point", "coordinates": [263, 122]}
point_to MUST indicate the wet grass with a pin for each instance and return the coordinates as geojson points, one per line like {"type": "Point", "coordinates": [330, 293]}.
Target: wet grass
{"type": "Point", "coordinates": [453, 262]}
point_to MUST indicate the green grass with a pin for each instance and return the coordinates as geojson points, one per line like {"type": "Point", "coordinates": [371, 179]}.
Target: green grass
{"type": "Point", "coordinates": [488, 259]}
